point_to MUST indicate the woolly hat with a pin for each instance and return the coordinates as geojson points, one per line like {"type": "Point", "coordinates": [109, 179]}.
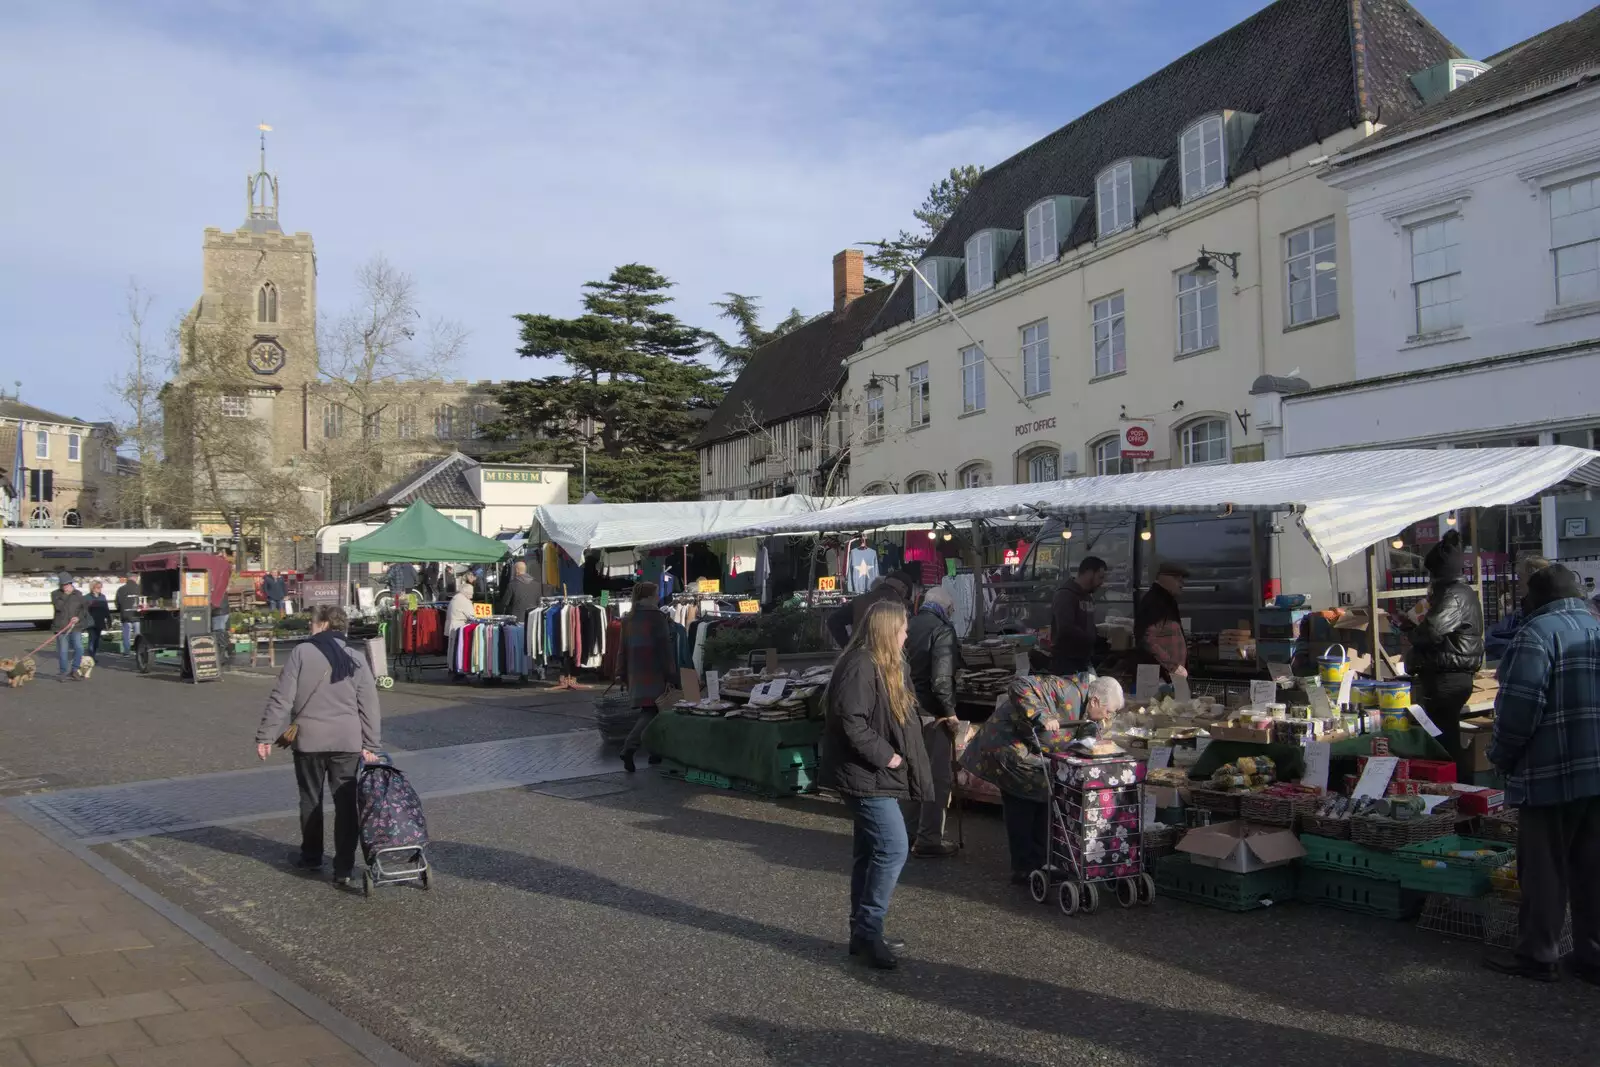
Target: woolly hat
{"type": "Point", "coordinates": [1551, 584]}
{"type": "Point", "coordinates": [1443, 560]}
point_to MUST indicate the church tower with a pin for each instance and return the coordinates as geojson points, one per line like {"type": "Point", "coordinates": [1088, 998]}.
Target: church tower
{"type": "Point", "coordinates": [261, 284]}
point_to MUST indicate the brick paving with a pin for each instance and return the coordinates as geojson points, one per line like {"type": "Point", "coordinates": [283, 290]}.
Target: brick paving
{"type": "Point", "coordinates": [90, 976]}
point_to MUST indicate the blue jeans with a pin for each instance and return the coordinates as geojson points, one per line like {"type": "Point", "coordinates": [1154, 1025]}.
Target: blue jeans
{"type": "Point", "coordinates": [69, 647]}
{"type": "Point", "coordinates": [880, 853]}
{"type": "Point", "coordinates": [129, 628]}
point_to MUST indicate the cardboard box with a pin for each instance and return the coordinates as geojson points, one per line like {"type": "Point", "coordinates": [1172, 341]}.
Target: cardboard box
{"type": "Point", "coordinates": [1476, 733]}
{"type": "Point", "coordinates": [1478, 799]}
{"type": "Point", "coordinates": [1262, 736]}
{"type": "Point", "coordinates": [1167, 796]}
{"type": "Point", "coordinates": [1240, 847]}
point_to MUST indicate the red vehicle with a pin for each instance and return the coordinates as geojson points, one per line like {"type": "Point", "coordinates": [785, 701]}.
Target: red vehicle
{"type": "Point", "coordinates": [177, 592]}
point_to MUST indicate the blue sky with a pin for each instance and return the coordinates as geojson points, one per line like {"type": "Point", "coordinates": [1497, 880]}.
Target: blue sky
{"type": "Point", "coordinates": [504, 152]}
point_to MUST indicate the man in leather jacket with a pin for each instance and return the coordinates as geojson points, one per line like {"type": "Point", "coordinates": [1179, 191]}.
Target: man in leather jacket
{"type": "Point", "coordinates": [1447, 646]}
{"type": "Point", "coordinates": [934, 654]}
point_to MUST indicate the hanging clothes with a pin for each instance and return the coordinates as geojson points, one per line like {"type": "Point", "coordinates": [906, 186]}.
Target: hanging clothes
{"type": "Point", "coordinates": [863, 569]}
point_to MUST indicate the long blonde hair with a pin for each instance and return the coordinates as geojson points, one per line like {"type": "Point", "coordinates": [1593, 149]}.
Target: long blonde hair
{"type": "Point", "coordinates": [878, 634]}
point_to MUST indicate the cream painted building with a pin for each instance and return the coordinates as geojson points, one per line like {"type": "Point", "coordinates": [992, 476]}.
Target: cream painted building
{"type": "Point", "coordinates": [69, 468]}
{"type": "Point", "coordinates": [1142, 266]}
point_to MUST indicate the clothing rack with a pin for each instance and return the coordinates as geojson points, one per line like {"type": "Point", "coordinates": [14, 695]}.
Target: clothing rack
{"type": "Point", "coordinates": [495, 647]}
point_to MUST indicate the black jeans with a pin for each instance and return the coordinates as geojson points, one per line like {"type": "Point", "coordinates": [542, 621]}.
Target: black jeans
{"type": "Point", "coordinates": [1027, 830]}
{"type": "Point", "coordinates": [929, 814]}
{"type": "Point", "coordinates": [647, 715]}
{"type": "Point", "coordinates": [1442, 695]}
{"type": "Point", "coordinates": [338, 770]}
{"type": "Point", "coordinates": [1558, 863]}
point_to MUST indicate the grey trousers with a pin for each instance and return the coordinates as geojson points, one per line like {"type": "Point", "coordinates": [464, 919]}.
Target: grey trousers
{"type": "Point", "coordinates": [1558, 863]}
{"type": "Point", "coordinates": [930, 813]}
{"type": "Point", "coordinates": [647, 715]}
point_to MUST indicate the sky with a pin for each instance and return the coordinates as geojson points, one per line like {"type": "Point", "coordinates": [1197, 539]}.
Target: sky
{"type": "Point", "coordinates": [503, 152]}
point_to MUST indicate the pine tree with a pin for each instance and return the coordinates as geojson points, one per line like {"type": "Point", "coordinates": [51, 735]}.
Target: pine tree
{"type": "Point", "coordinates": [746, 314]}
{"type": "Point", "coordinates": [633, 390]}
{"type": "Point", "coordinates": [894, 255]}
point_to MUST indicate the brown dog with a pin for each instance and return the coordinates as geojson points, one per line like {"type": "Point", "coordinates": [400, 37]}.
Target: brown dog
{"type": "Point", "coordinates": [18, 671]}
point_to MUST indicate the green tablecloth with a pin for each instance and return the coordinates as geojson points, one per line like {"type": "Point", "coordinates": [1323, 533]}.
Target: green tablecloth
{"type": "Point", "coordinates": [1291, 761]}
{"type": "Point", "coordinates": [736, 748]}
{"type": "Point", "coordinates": [1408, 744]}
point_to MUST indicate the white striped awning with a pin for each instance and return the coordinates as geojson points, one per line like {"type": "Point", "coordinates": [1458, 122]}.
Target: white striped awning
{"type": "Point", "coordinates": [579, 527]}
{"type": "Point", "coordinates": [1344, 502]}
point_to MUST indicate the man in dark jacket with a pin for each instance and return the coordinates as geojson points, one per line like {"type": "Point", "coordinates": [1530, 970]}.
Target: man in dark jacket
{"type": "Point", "coordinates": [127, 604]}
{"type": "Point", "coordinates": [902, 585]}
{"type": "Point", "coordinates": [1158, 626]}
{"type": "Point", "coordinates": [1072, 632]}
{"type": "Point", "coordinates": [1446, 646]}
{"type": "Point", "coordinates": [1547, 741]}
{"type": "Point", "coordinates": [522, 593]}
{"type": "Point", "coordinates": [934, 655]}
{"type": "Point", "coordinates": [70, 614]}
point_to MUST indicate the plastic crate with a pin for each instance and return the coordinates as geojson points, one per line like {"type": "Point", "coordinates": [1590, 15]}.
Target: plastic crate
{"type": "Point", "coordinates": [1177, 877]}
{"type": "Point", "coordinates": [1353, 892]}
{"type": "Point", "coordinates": [1460, 876]}
{"type": "Point", "coordinates": [1279, 624]}
{"type": "Point", "coordinates": [1346, 857]}
{"type": "Point", "coordinates": [1433, 770]}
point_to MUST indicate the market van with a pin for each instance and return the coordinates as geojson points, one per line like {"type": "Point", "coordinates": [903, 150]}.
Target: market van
{"type": "Point", "coordinates": [31, 561]}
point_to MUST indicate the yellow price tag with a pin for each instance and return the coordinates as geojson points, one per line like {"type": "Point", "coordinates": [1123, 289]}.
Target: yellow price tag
{"type": "Point", "coordinates": [749, 607]}
{"type": "Point", "coordinates": [827, 583]}
{"type": "Point", "coordinates": [482, 611]}
{"type": "Point", "coordinates": [708, 585]}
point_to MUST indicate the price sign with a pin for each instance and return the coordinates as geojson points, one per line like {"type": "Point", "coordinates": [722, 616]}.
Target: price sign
{"type": "Point", "coordinates": [749, 607]}
{"type": "Point", "coordinates": [1422, 720]}
{"type": "Point", "coordinates": [481, 610]}
{"type": "Point", "coordinates": [1159, 758]}
{"type": "Point", "coordinates": [1344, 688]}
{"type": "Point", "coordinates": [1375, 776]}
{"type": "Point", "coordinates": [1317, 697]}
{"type": "Point", "coordinates": [1318, 753]}
{"type": "Point", "coordinates": [827, 583]}
{"type": "Point", "coordinates": [1263, 693]}
{"type": "Point", "coordinates": [713, 685]}
{"type": "Point", "coordinates": [708, 585]}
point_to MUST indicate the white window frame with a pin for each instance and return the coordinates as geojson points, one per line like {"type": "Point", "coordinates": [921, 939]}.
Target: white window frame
{"type": "Point", "coordinates": [1203, 149]}
{"type": "Point", "coordinates": [1107, 453]}
{"type": "Point", "coordinates": [1582, 242]}
{"type": "Point", "coordinates": [922, 482]}
{"type": "Point", "coordinates": [1197, 294]}
{"type": "Point", "coordinates": [921, 394]}
{"type": "Point", "coordinates": [1471, 71]}
{"type": "Point", "coordinates": [234, 406]}
{"type": "Point", "coordinates": [1436, 271]}
{"type": "Point", "coordinates": [875, 414]}
{"type": "Point", "coordinates": [1108, 335]}
{"type": "Point", "coordinates": [926, 298]}
{"type": "Point", "coordinates": [1044, 240]}
{"type": "Point", "coordinates": [974, 396]}
{"type": "Point", "coordinates": [1323, 305]}
{"type": "Point", "coordinates": [41, 444]}
{"type": "Point", "coordinates": [980, 262]}
{"type": "Point", "coordinates": [1034, 465]}
{"type": "Point", "coordinates": [1187, 442]}
{"type": "Point", "coordinates": [74, 447]}
{"type": "Point", "coordinates": [976, 475]}
{"type": "Point", "coordinates": [1036, 358]}
{"type": "Point", "coordinates": [1117, 182]}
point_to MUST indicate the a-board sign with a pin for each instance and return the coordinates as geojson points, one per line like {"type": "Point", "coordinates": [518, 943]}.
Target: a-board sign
{"type": "Point", "coordinates": [204, 664]}
{"type": "Point", "coordinates": [827, 583]}
{"type": "Point", "coordinates": [314, 593]}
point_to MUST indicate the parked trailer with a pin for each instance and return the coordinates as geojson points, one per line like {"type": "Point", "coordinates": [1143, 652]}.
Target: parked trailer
{"type": "Point", "coordinates": [31, 560]}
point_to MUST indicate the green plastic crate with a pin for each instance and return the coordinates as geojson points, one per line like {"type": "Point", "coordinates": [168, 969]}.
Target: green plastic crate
{"type": "Point", "coordinates": [1459, 877]}
{"type": "Point", "coordinates": [1177, 877]}
{"type": "Point", "coordinates": [1347, 857]}
{"type": "Point", "coordinates": [1359, 893]}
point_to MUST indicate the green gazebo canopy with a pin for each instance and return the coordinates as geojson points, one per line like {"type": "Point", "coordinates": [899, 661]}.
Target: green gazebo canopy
{"type": "Point", "coordinates": [419, 534]}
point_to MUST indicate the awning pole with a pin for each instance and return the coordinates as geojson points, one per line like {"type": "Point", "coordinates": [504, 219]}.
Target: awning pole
{"type": "Point", "coordinates": [1372, 612]}
{"type": "Point", "coordinates": [1477, 555]}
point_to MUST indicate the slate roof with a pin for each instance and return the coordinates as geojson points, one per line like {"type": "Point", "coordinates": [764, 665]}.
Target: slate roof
{"type": "Point", "coordinates": [1559, 54]}
{"type": "Point", "coordinates": [442, 483]}
{"type": "Point", "coordinates": [1307, 68]}
{"type": "Point", "coordinates": [16, 409]}
{"type": "Point", "coordinates": [798, 373]}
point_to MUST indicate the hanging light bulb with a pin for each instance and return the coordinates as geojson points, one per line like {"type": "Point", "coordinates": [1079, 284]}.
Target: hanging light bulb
{"type": "Point", "coordinates": [1450, 519]}
{"type": "Point", "coordinates": [1144, 535]}
{"type": "Point", "coordinates": [948, 535]}
{"type": "Point", "coordinates": [933, 535]}
{"type": "Point", "coordinates": [1066, 535]}
{"type": "Point", "coordinates": [1397, 543]}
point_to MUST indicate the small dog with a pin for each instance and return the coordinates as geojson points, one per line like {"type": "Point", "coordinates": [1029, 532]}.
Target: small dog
{"type": "Point", "coordinates": [85, 667]}
{"type": "Point", "coordinates": [18, 671]}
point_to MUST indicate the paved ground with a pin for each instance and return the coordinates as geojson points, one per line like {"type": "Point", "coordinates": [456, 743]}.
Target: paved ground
{"type": "Point", "coordinates": [633, 920]}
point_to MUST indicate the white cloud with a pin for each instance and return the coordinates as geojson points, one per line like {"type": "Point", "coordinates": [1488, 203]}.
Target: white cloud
{"type": "Point", "coordinates": [502, 156]}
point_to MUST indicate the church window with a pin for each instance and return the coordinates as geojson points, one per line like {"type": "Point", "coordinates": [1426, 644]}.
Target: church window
{"type": "Point", "coordinates": [372, 425]}
{"type": "Point", "coordinates": [332, 420]}
{"type": "Point", "coordinates": [480, 419]}
{"type": "Point", "coordinates": [444, 422]}
{"type": "Point", "coordinates": [406, 424]}
{"type": "Point", "coordinates": [267, 303]}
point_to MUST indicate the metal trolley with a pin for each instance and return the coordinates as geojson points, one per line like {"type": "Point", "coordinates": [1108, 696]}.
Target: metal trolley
{"type": "Point", "coordinates": [1096, 834]}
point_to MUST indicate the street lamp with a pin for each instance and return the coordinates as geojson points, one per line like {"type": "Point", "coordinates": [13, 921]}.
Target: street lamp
{"type": "Point", "coordinates": [1205, 268]}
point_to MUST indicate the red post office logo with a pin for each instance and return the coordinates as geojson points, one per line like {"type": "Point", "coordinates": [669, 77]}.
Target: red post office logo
{"type": "Point", "coordinates": [1138, 436]}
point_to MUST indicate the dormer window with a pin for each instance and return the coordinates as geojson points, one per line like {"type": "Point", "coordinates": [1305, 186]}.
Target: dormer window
{"type": "Point", "coordinates": [980, 262]}
{"type": "Point", "coordinates": [1044, 243]}
{"type": "Point", "coordinates": [1114, 198]}
{"type": "Point", "coordinates": [1442, 78]}
{"type": "Point", "coordinates": [1203, 168]}
{"type": "Point", "coordinates": [1462, 73]}
{"type": "Point", "coordinates": [925, 277]}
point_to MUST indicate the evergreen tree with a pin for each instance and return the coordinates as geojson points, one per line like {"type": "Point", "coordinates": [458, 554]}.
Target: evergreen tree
{"type": "Point", "coordinates": [746, 314]}
{"type": "Point", "coordinates": [893, 256]}
{"type": "Point", "coordinates": [632, 390]}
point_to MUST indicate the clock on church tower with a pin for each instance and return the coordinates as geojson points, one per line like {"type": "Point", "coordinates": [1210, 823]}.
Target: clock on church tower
{"type": "Point", "coordinates": [266, 355]}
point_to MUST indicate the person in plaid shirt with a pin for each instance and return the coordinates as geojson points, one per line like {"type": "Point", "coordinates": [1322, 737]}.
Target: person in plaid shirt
{"type": "Point", "coordinates": [1547, 741]}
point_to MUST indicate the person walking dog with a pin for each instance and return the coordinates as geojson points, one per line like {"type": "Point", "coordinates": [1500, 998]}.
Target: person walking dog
{"type": "Point", "coordinates": [325, 706]}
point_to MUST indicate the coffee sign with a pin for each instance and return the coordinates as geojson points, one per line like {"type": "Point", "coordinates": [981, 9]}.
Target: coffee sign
{"type": "Point", "coordinates": [1138, 441]}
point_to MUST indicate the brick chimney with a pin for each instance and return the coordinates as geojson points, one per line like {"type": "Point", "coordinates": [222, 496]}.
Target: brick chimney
{"type": "Point", "coordinates": [849, 279]}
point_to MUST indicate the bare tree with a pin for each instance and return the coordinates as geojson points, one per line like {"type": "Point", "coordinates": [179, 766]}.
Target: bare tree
{"type": "Point", "coordinates": [369, 360]}
{"type": "Point", "coordinates": [139, 423]}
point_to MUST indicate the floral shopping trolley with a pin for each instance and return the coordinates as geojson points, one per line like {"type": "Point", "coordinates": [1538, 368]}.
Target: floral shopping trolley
{"type": "Point", "coordinates": [1096, 833]}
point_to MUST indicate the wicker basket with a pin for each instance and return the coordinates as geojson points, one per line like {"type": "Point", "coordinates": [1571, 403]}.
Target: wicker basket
{"type": "Point", "coordinates": [1215, 800]}
{"type": "Point", "coordinates": [1275, 810]}
{"type": "Point", "coordinates": [1386, 835]}
{"type": "Point", "coordinates": [1326, 826]}
{"type": "Point", "coordinates": [1501, 826]}
{"type": "Point", "coordinates": [1160, 841]}
{"type": "Point", "coordinates": [614, 717]}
